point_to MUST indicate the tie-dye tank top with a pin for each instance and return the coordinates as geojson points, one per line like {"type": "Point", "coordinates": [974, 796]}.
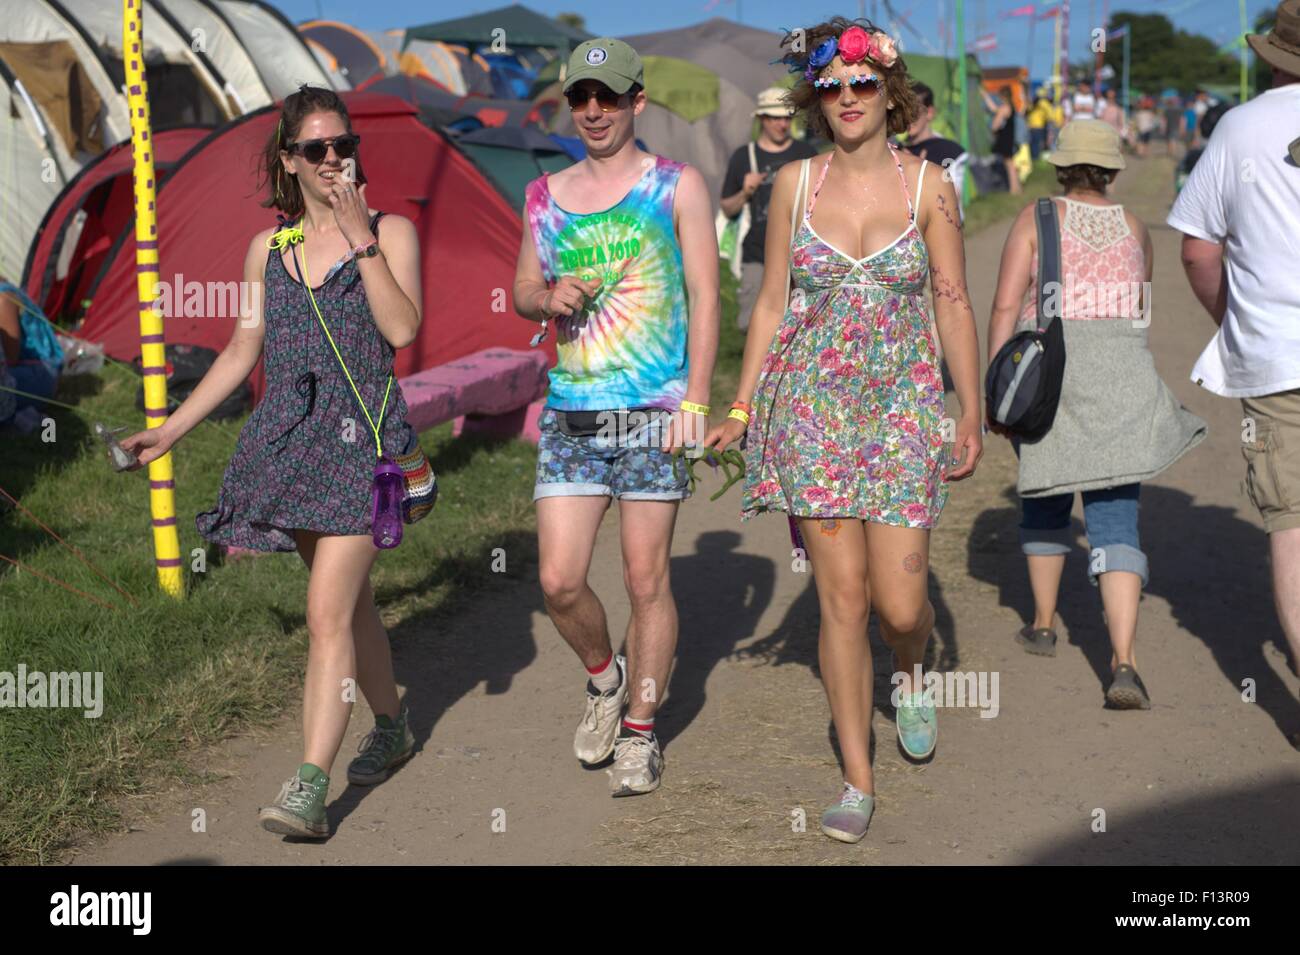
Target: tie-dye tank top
{"type": "Point", "coordinates": [628, 350]}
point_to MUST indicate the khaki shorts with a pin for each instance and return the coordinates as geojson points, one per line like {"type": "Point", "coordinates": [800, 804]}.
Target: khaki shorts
{"type": "Point", "coordinates": [1273, 457]}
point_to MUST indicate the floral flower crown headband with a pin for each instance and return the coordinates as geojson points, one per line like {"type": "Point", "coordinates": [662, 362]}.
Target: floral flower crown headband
{"type": "Point", "coordinates": [853, 46]}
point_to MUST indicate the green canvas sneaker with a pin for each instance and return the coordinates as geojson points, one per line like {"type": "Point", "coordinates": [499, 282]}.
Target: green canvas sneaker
{"type": "Point", "coordinates": [918, 727]}
{"type": "Point", "coordinates": [299, 810]}
{"type": "Point", "coordinates": [385, 747]}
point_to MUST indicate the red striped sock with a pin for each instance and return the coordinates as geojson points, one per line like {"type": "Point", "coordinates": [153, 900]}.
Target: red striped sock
{"type": "Point", "coordinates": [646, 727]}
{"type": "Point", "coordinates": [605, 676]}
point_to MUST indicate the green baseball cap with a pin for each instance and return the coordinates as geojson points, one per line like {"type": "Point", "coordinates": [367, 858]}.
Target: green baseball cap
{"type": "Point", "coordinates": [605, 60]}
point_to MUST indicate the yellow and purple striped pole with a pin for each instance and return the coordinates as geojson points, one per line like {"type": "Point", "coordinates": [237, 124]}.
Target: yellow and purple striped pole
{"type": "Point", "coordinates": [162, 485]}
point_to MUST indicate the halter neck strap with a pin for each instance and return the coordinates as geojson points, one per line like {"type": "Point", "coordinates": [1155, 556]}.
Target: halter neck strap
{"type": "Point", "coordinates": [898, 164]}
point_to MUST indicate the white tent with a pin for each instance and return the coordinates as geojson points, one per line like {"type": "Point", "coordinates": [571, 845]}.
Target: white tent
{"type": "Point", "coordinates": [183, 88]}
{"type": "Point", "coordinates": [207, 28]}
{"type": "Point", "coordinates": [390, 44]}
{"type": "Point", "coordinates": [328, 63]}
{"type": "Point", "coordinates": [34, 167]}
{"type": "Point", "coordinates": [38, 21]}
{"type": "Point", "coordinates": [282, 58]}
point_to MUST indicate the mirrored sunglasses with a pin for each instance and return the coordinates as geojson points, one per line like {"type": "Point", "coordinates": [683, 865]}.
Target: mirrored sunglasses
{"type": "Point", "coordinates": [866, 86]}
{"type": "Point", "coordinates": [606, 99]}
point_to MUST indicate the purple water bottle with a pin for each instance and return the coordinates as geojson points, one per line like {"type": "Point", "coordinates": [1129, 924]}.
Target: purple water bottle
{"type": "Point", "coordinates": [387, 495]}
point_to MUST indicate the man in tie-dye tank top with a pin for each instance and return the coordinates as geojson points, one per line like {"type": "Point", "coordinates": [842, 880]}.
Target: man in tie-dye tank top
{"type": "Point", "coordinates": [616, 247]}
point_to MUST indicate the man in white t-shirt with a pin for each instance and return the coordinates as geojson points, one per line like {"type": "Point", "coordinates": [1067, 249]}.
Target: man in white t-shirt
{"type": "Point", "coordinates": [1240, 217]}
{"type": "Point", "coordinates": [1082, 104]}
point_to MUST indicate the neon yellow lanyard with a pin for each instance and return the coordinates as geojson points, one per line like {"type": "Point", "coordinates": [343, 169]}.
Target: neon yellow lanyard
{"type": "Point", "coordinates": [280, 239]}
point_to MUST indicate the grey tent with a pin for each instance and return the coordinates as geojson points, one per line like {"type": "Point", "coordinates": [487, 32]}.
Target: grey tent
{"type": "Point", "coordinates": [737, 53]}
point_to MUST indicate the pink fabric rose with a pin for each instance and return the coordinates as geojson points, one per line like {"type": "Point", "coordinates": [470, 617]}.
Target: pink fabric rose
{"type": "Point", "coordinates": [880, 47]}
{"type": "Point", "coordinates": [854, 45]}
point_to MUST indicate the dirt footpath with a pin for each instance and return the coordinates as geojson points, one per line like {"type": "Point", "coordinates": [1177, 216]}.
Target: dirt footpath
{"type": "Point", "coordinates": [1203, 777]}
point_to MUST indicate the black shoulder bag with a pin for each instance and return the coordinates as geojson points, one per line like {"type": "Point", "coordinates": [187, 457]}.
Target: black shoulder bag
{"type": "Point", "coordinates": [1023, 383]}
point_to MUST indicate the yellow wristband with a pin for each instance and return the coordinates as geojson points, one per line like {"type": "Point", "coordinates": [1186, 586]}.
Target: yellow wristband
{"type": "Point", "coordinates": [740, 414]}
{"type": "Point", "coordinates": [694, 408]}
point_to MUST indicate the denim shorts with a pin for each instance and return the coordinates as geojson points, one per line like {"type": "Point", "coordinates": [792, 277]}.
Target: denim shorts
{"type": "Point", "coordinates": [1111, 519]}
{"type": "Point", "coordinates": [629, 466]}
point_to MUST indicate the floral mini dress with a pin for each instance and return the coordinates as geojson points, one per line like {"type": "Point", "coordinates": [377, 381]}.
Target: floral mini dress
{"type": "Point", "coordinates": [849, 409]}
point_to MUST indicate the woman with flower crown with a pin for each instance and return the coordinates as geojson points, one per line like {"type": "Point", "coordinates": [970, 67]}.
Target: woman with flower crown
{"type": "Point", "coordinates": [841, 400]}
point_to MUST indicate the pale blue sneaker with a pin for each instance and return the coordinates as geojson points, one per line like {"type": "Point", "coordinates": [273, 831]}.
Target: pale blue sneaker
{"type": "Point", "coordinates": [848, 819]}
{"type": "Point", "coordinates": [918, 726]}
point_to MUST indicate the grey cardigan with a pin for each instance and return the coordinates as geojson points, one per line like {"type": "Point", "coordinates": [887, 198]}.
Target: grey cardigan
{"type": "Point", "coordinates": [1117, 422]}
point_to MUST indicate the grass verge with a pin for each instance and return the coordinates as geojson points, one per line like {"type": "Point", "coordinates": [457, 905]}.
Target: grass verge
{"type": "Point", "coordinates": [993, 207]}
{"type": "Point", "coordinates": [182, 673]}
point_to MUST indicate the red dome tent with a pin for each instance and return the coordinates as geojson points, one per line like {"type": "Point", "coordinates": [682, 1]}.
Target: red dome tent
{"type": "Point", "coordinates": [69, 249]}
{"type": "Point", "coordinates": [209, 209]}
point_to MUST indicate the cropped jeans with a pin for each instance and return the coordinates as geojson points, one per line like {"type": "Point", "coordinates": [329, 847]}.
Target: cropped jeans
{"type": "Point", "coordinates": [1110, 517]}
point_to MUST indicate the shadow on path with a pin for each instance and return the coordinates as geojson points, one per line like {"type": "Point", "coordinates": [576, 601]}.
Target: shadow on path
{"type": "Point", "coordinates": [795, 640]}
{"type": "Point", "coordinates": [1255, 825]}
{"type": "Point", "coordinates": [721, 594]}
{"type": "Point", "coordinates": [1210, 566]}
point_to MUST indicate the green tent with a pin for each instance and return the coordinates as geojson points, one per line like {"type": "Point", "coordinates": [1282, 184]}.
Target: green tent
{"type": "Point", "coordinates": [516, 25]}
{"type": "Point", "coordinates": [511, 158]}
{"type": "Point", "coordinates": [940, 74]}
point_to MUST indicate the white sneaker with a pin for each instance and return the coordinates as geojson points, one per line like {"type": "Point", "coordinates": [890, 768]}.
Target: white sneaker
{"type": "Point", "coordinates": [594, 740]}
{"type": "Point", "coordinates": [638, 764]}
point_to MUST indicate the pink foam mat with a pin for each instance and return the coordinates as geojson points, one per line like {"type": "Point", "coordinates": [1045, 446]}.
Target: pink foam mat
{"type": "Point", "coordinates": [493, 383]}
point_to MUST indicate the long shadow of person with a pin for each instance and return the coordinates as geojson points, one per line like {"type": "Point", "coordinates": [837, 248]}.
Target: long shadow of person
{"type": "Point", "coordinates": [795, 641]}
{"type": "Point", "coordinates": [1214, 572]}
{"type": "Point", "coordinates": [724, 593]}
{"type": "Point", "coordinates": [440, 656]}
{"type": "Point", "coordinates": [1208, 564]}
{"type": "Point", "coordinates": [483, 635]}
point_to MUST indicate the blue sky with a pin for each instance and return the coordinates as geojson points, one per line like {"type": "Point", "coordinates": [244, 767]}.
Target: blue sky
{"type": "Point", "coordinates": [1216, 19]}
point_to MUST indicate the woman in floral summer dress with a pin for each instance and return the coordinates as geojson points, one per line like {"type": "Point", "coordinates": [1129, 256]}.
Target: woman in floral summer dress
{"type": "Point", "coordinates": [841, 399]}
{"type": "Point", "coordinates": [296, 481]}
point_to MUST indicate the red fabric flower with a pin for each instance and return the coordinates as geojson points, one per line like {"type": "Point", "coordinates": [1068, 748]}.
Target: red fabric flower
{"type": "Point", "coordinates": [853, 45]}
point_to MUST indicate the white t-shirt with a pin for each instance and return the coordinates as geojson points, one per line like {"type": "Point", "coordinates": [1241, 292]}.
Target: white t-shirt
{"type": "Point", "coordinates": [1083, 106]}
{"type": "Point", "coordinates": [1244, 192]}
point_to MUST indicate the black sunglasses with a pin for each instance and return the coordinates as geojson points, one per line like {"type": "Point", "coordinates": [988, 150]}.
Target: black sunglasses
{"type": "Point", "coordinates": [314, 150]}
{"type": "Point", "coordinates": [606, 99]}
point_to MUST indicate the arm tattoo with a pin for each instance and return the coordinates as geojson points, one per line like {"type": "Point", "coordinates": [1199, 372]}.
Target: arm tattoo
{"type": "Point", "coordinates": [955, 222]}
{"type": "Point", "coordinates": [947, 290]}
